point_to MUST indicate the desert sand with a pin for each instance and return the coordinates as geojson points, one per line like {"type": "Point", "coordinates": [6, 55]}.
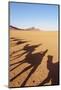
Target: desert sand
{"type": "Point", "coordinates": [33, 59]}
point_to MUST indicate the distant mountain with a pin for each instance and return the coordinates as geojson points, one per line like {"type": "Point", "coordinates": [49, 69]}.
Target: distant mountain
{"type": "Point", "coordinates": [33, 29]}
{"type": "Point", "coordinates": [26, 29]}
{"type": "Point", "coordinates": [12, 27]}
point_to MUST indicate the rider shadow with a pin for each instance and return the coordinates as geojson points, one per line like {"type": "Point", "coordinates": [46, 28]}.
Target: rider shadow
{"type": "Point", "coordinates": [53, 74]}
{"type": "Point", "coordinates": [14, 39]}
{"type": "Point", "coordinates": [33, 59]}
{"type": "Point", "coordinates": [28, 50]}
{"type": "Point", "coordinates": [18, 42]}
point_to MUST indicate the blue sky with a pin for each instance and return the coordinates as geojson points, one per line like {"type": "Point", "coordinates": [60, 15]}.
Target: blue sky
{"type": "Point", "coordinates": [24, 15]}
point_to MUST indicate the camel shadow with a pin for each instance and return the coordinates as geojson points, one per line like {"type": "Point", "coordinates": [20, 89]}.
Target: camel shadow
{"type": "Point", "coordinates": [16, 41]}
{"type": "Point", "coordinates": [33, 59]}
{"type": "Point", "coordinates": [27, 49]}
{"type": "Point", "coordinates": [53, 74]}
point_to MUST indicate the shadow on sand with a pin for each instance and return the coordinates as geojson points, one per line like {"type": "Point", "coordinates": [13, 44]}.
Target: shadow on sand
{"type": "Point", "coordinates": [16, 42]}
{"type": "Point", "coordinates": [53, 74]}
{"type": "Point", "coordinates": [33, 59]}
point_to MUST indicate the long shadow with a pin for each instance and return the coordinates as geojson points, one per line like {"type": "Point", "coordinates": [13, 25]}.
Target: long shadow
{"type": "Point", "coordinates": [17, 56]}
{"type": "Point", "coordinates": [53, 74]}
{"type": "Point", "coordinates": [33, 59]}
{"type": "Point", "coordinates": [20, 42]}
{"type": "Point", "coordinates": [14, 39]}
{"type": "Point", "coordinates": [21, 62]}
{"type": "Point", "coordinates": [27, 49]}
{"type": "Point", "coordinates": [14, 52]}
{"type": "Point", "coordinates": [17, 41]}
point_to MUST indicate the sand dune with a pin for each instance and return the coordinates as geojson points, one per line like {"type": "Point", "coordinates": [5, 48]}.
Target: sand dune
{"type": "Point", "coordinates": [33, 58]}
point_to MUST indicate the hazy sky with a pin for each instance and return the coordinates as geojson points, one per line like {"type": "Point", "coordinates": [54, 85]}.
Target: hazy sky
{"type": "Point", "coordinates": [41, 16]}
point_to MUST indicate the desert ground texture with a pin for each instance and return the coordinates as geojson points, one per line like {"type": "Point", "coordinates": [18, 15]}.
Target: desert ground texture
{"type": "Point", "coordinates": [33, 58]}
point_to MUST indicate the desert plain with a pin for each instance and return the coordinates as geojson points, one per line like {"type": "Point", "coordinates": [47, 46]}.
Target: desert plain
{"type": "Point", "coordinates": [33, 57]}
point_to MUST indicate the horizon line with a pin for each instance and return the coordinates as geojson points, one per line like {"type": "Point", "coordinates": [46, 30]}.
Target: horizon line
{"type": "Point", "coordinates": [40, 29]}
